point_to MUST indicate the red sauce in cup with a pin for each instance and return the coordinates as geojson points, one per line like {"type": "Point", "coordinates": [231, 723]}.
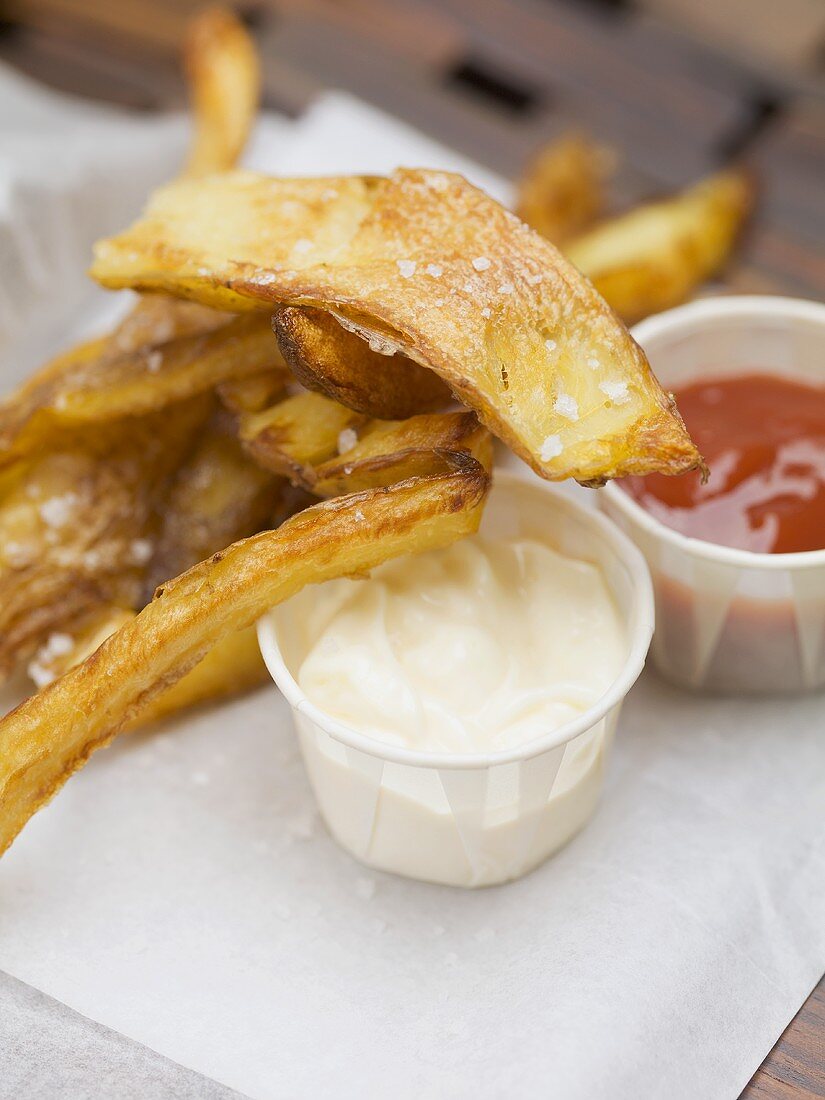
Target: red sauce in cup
{"type": "Point", "coordinates": [763, 438]}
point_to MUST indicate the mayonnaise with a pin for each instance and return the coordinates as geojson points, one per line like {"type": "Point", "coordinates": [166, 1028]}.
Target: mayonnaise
{"type": "Point", "coordinates": [483, 646]}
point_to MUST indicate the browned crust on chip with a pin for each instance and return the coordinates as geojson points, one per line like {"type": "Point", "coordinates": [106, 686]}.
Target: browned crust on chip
{"type": "Point", "coordinates": [389, 452]}
{"type": "Point", "coordinates": [342, 366]}
{"type": "Point", "coordinates": [89, 386]}
{"type": "Point", "coordinates": [52, 734]}
{"type": "Point", "coordinates": [433, 264]}
{"type": "Point", "coordinates": [222, 68]}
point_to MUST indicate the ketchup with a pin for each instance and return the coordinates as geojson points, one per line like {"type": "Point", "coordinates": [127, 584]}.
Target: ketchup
{"type": "Point", "coordinates": [763, 438]}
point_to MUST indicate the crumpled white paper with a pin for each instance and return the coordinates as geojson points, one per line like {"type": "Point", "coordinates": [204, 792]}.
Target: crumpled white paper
{"type": "Point", "coordinates": [182, 890]}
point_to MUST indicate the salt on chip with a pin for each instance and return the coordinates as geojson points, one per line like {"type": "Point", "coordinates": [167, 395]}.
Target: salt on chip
{"type": "Point", "coordinates": [229, 241]}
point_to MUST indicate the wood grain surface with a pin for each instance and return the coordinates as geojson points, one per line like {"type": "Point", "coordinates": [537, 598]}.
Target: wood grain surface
{"type": "Point", "coordinates": [676, 87]}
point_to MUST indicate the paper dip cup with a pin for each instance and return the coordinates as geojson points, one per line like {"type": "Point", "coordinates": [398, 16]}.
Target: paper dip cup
{"type": "Point", "coordinates": [474, 820]}
{"type": "Point", "coordinates": [732, 620]}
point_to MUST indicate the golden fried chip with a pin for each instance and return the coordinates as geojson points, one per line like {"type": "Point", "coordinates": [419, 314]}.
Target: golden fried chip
{"type": "Point", "coordinates": [653, 257]}
{"type": "Point", "coordinates": [155, 319]}
{"type": "Point", "coordinates": [562, 190]}
{"type": "Point", "coordinates": [233, 667]}
{"type": "Point", "coordinates": [218, 495]}
{"type": "Point", "coordinates": [84, 389]}
{"type": "Point", "coordinates": [52, 734]}
{"type": "Point", "coordinates": [249, 395]}
{"type": "Point", "coordinates": [296, 434]}
{"type": "Point", "coordinates": [426, 262]}
{"type": "Point", "coordinates": [384, 452]}
{"type": "Point", "coordinates": [368, 377]}
{"type": "Point", "coordinates": [224, 78]}
{"type": "Point", "coordinates": [75, 524]}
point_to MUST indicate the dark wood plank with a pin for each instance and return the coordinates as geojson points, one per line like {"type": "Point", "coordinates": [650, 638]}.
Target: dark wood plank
{"type": "Point", "coordinates": [795, 1068]}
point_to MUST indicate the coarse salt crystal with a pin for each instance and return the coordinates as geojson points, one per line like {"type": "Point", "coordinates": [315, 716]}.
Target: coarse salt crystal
{"type": "Point", "coordinates": [57, 645]}
{"type": "Point", "coordinates": [16, 554]}
{"type": "Point", "coordinates": [506, 288]}
{"type": "Point", "coordinates": [347, 439]}
{"type": "Point", "coordinates": [140, 551]}
{"type": "Point", "coordinates": [39, 675]}
{"type": "Point", "coordinates": [57, 511]}
{"type": "Point", "coordinates": [593, 363]}
{"type": "Point", "coordinates": [406, 267]}
{"type": "Point", "coordinates": [481, 263]}
{"type": "Point", "coordinates": [550, 448]}
{"type": "Point", "coordinates": [616, 391]}
{"type": "Point", "coordinates": [567, 406]}
{"type": "Point", "coordinates": [551, 345]}
{"type": "Point", "coordinates": [359, 515]}
{"type": "Point", "coordinates": [263, 278]}
{"type": "Point", "coordinates": [381, 346]}
{"type": "Point", "coordinates": [534, 280]}
{"type": "Point", "coordinates": [303, 244]}
{"type": "Point", "coordinates": [436, 270]}
{"type": "Point", "coordinates": [486, 312]}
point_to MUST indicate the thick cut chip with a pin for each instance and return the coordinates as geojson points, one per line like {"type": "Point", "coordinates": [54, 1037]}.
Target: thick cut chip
{"type": "Point", "coordinates": [76, 524]}
{"type": "Point", "coordinates": [296, 434]}
{"type": "Point", "coordinates": [224, 83]}
{"type": "Point", "coordinates": [84, 389]}
{"type": "Point", "coordinates": [250, 395]}
{"type": "Point", "coordinates": [426, 262]}
{"type": "Point", "coordinates": [653, 257]}
{"type": "Point", "coordinates": [368, 377]}
{"type": "Point", "coordinates": [52, 734]}
{"type": "Point", "coordinates": [233, 667]}
{"type": "Point", "coordinates": [156, 319]}
{"type": "Point", "coordinates": [218, 495]}
{"type": "Point", "coordinates": [562, 190]}
{"type": "Point", "coordinates": [383, 452]}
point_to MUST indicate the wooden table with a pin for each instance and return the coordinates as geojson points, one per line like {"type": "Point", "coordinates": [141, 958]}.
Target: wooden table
{"type": "Point", "coordinates": [495, 78]}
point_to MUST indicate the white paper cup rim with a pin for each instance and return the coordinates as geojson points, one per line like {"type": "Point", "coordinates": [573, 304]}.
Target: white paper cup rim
{"type": "Point", "coordinates": [695, 313]}
{"type": "Point", "coordinates": [639, 633]}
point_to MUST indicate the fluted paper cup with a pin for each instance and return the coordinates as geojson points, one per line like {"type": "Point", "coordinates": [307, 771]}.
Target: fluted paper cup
{"type": "Point", "coordinates": [731, 620]}
{"type": "Point", "coordinates": [483, 818]}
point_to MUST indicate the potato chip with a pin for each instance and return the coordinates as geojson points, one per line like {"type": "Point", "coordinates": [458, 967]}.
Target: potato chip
{"type": "Point", "coordinates": [53, 733]}
{"type": "Point", "coordinates": [653, 257]}
{"type": "Point", "coordinates": [562, 190]}
{"type": "Point", "coordinates": [369, 377]}
{"type": "Point", "coordinates": [434, 267]}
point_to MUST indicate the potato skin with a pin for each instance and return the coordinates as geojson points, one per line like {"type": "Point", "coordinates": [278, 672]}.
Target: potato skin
{"type": "Point", "coordinates": [52, 734]}
{"type": "Point", "coordinates": [561, 192]}
{"type": "Point", "coordinates": [323, 356]}
{"type": "Point", "coordinates": [655, 256]}
{"type": "Point", "coordinates": [434, 267]}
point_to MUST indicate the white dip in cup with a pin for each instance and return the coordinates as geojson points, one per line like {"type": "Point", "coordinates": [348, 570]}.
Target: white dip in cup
{"type": "Point", "coordinates": [731, 620]}
{"type": "Point", "coordinates": [485, 818]}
